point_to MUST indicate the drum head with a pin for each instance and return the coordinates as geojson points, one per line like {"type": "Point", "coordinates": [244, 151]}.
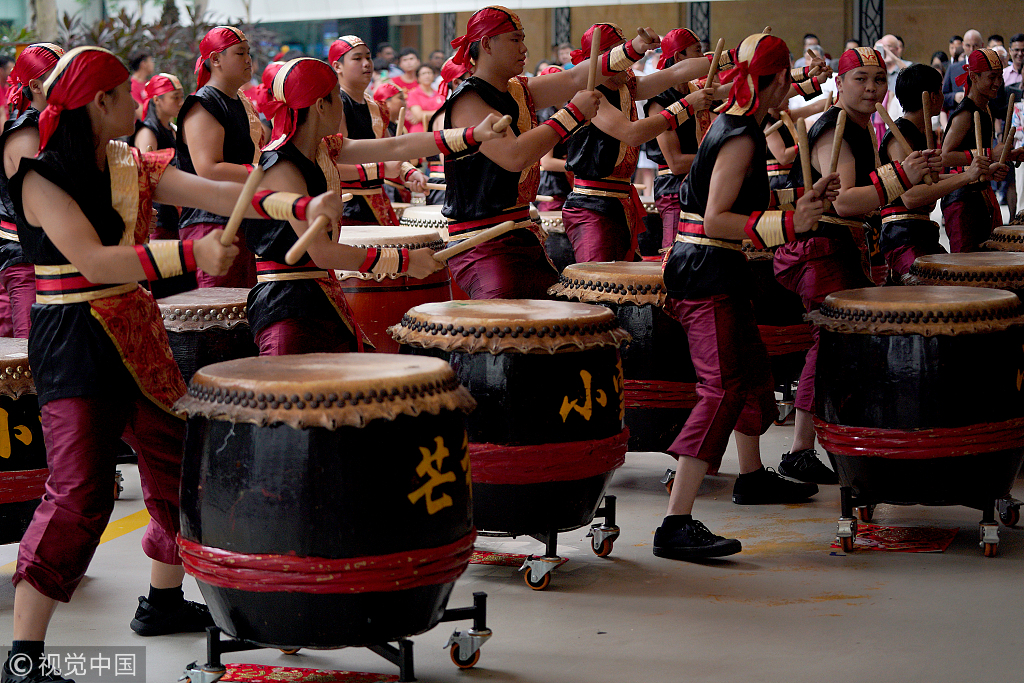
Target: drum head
{"type": "Point", "coordinates": [1006, 238]}
{"type": "Point", "coordinates": [199, 309]}
{"type": "Point", "coordinates": [999, 270]}
{"type": "Point", "coordinates": [615, 282]}
{"type": "Point", "coordinates": [15, 376]}
{"type": "Point", "coordinates": [401, 236]}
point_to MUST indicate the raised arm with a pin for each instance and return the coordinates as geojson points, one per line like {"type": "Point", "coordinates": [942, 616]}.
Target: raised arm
{"type": "Point", "coordinates": [921, 195]}
{"type": "Point", "coordinates": [682, 71]}
{"type": "Point", "coordinates": [22, 144]}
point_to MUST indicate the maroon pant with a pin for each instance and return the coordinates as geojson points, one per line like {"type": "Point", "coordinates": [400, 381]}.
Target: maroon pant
{"type": "Point", "coordinates": [668, 207]}
{"type": "Point", "coordinates": [19, 281]}
{"type": "Point", "coordinates": [969, 221]}
{"type": "Point", "coordinates": [735, 388]}
{"type": "Point", "coordinates": [242, 272]}
{"type": "Point", "coordinates": [553, 205]}
{"type": "Point", "coordinates": [6, 314]}
{"type": "Point", "coordinates": [596, 237]}
{"type": "Point", "coordinates": [813, 269]}
{"type": "Point", "coordinates": [304, 335]}
{"type": "Point", "coordinates": [81, 437]}
{"type": "Point", "coordinates": [901, 258]}
{"type": "Point", "coordinates": [512, 266]}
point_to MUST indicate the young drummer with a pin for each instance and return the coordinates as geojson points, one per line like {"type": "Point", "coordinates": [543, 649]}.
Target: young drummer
{"type": "Point", "coordinates": [971, 212]}
{"type": "Point", "coordinates": [783, 151]}
{"type": "Point", "coordinates": [907, 231]}
{"type": "Point", "coordinates": [99, 353]}
{"type": "Point", "coordinates": [20, 140]}
{"type": "Point", "coordinates": [366, 119]}
{"type": "Point", "coordinates": [219, 138]}
{"type": "Point", "coordinates": [392, 98]}
{"type": "Point", "coordinates": [300, 308]}
{"type": "Point", "coordinates": [452, 75]}
{"type": "Point", "coordinates": [832, 257]}
{"type": "Point", "coordinates": [724, 199]}
{"type": "Point", "coordinates": [162, 100]}
{"type": "Point", "coordinates": [554, 181]}
{"type": "Point", "coordinates": [604, 215]}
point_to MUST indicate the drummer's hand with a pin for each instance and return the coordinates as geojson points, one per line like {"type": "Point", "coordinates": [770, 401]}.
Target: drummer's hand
{"type": "Point", "coordinates": [916, 165]}
{"type": "Point", "coordinates": [810, 207]}
{"type": "Point", "coordinates": [484, 131]}
{"type": "Point", "coordinates": [701, 99]}
{"type": "Point", "coordinates": [587, 102]}
{"type": "Point", "coordinates": [212, 257]}
{"type": "Point", "coordinates": [641, 45]}
{"type": "Point", "coordinates": [417, 182]}
{"type": "Point", "coordinates": [978, 168]}
{"type": "Point", "coordinates": [828, 187]}
{"type": "Point", "coordinates": [327, 204]}
{"type": "Point", "coordinates": [997, 171]}
{"type": "Point", "coordinates": [422, 263]}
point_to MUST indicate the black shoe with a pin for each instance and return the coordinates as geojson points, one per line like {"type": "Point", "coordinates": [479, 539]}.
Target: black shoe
{"type": "Point", "coordinates": [692, 542]}
{"type": "Point", "coordinates": [186, 617]}
{"type": "Point", "coordinates": [35, 674]}
{"type": "Point", "coordinates": [766, 486]}
{"type": "Point", "coordinates": [805, 466]}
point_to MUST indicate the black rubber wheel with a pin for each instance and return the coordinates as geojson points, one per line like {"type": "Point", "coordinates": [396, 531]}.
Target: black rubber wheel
{"type": "Point", "coordinates": [537, 585]}
{"type": "Point", "coordinates": [457, 659]}
{"type": "Point", "coordinates": [1010, 516]}
{"type": "Point", "coordinates": [602, 549]}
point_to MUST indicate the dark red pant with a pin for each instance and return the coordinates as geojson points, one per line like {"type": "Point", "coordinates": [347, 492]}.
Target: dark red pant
{"type": "Point", "coordinates": [969, 221]}
{"type": "Point", "coordinates": [512, 266]}
{"type": "Point", "coordinates": [735, 388]}
{"type": "Point", "coordinates": [81, 437]}
{"type": "Point", "coordinates": [304, 335]}
{"type": "Point", "coordinates": [668, 207]}
{"type": "Point", "coordinates": [553, 205]}
{"type": "Point", "coordinates": [19, 281]}
{"type": "Point", "coordinates": [242, 272]}
{"type": "Point", "coordinates": [596, 237]}
{"type": "Point", "coordinates": [901, 258]}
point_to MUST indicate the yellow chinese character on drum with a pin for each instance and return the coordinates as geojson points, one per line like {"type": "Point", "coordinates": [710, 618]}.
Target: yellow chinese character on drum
{"type": "Point", "coordinates": [430, 467]}
{"type": "Point", "coordinates": [21, 433]}
{"type": "Point", "coordinates": [587, 409]}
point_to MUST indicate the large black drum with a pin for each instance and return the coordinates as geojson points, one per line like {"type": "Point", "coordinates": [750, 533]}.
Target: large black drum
{"type": "Point", "coordinates": [325, 498]}
{"type": "Point", "coordinates": [206, 326]}
{"type": "Point", "coordinates": [660, 381]}
{"type": "Point", "coordinates": [994, 270]}
{"type": "Point", "coordinates": [22, 452]}
{"type": "Point", "coordinates": [918, 394]}
{"type": "Point", "coordinates": [547, 433]}
{"type": "Point", "coordinates": [557, 244]}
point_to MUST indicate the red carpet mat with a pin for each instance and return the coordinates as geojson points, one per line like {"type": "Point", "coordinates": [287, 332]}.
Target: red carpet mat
{"type": "Point", "coordinates": [502, 559]}
{"type": "Point", "coordinates": [902, 539]}
{"type": "Point", "coordinates": [258, 673]}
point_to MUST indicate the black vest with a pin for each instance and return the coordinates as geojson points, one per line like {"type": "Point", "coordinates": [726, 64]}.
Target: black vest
{"type": "Point", "coordinates": [968, 143]}
{"type": "Point", "coordinates": [686, 133]}
{"type": "Point", "coordinates": [359, 124]}
{"type": "Point", "coordinates": [553, 183]}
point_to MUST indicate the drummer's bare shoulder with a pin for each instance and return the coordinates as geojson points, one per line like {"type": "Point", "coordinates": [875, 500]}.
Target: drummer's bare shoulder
{"type": "Point", "coordinates": [21, 144]}
{"type": "Point", "coordinates": [205, 139]}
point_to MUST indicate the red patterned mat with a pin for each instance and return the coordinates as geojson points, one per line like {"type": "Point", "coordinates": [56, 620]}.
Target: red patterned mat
{"type": "Point", "coordinates": [902, 539]}
{"type": "Point", "coordinates": [502, 559]}
{"type": "Point", "coordinates": [258, 673]}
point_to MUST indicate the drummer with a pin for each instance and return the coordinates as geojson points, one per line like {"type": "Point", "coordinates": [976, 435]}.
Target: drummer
{"type": "Point", "coordinates": [833, 257]}
{"type": "Point", "coordinates": [452, 75]}
{"type": "Point", "coordinates": [163, 97]}
{"type": "Point", "coordinates": [391, 97]}
{"type": "Point", "coordinates": [301, 308]}
{"type": "Point", "coordinates": [724, 199]}
{"type": "Point", "coordinates": [554, 180]}
{"type": "Point", "coordinates": [99, 354]}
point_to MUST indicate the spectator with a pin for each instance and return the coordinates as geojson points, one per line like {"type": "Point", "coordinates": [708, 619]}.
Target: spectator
{"type": "Point", "coordinates": [1012, 75]}
{"type": "Point", "coordinates": [142, 67]}
{"type": "Point", "coordinates": [940, 62]}
{"type": "Point", "coordinates": [408, 62]}
{"type": "Point", "coordinates": [810, 40]}
{"type": "Point", "coordinates": [952, 93]}
{"type": "Point", "coordinates": [956, 48]}
{"type": "Point", "coordinates": [851, 44]}
{"type": "Point", "coordinates": [996, 39]}
{"type": "Point", "coordinates": [541, 65]}
{"type": "Point", "coordinates": [436, 60]}
{"type": "Point", "coordinates": [565, 55]}
{"type": "Point", "coordinates": [423, 100]}
{"type": "Point", "coordinates": [387, 53]}
{"type": "Point", "coordinates": [1004, 56]}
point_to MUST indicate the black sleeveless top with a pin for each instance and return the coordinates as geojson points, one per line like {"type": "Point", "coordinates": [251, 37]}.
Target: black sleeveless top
{"type": "Point", "coordinates": [359, 124]}
{"type": "Point", "coordinates": [784, 180]}
{"type": "Point", "coordinates": [968, 143]}
{"type": "Point", "coordinates": [238, 145]}
{"type": "Point", "coordinates": [166, 214]}
{"type": "Point", "coordinates": [896, 233]}
{"type": "Point", "coordinates": [687, 134]}
{"type": "Point", "coordinates": [697, 271]}
{"type": "Point", "coordinates": [10, 251]}
{"type": "Point", "coordinates": [592, 154]}
{"type": "Point", "coordinates": [554, 183]}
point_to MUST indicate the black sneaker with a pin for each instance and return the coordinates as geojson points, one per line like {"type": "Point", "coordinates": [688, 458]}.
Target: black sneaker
{"type": "Point", "coordinates": [35, 673]}
{"type": "Point", "coordinates": [766, 486]}
{"type": "Point", "coordinates": [692, 542]}
{"type": "Point", "coordinates": [186, 617]}
{"type": "Point", "coordinates": [805, 466]}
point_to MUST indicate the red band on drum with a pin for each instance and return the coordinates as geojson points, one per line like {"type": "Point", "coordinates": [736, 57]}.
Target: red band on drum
{"type": "Point", "coordinates": [783, 339]}
{"type": "Point", "coordinates": [538, 463]}
{"type": "Point", "coordinates": [918, 444]}
{"type": "Point", "coordinates": [270, 573]}
{"type": "Point", "coordinates": [22, 485]}
{"type": "Point", "coordinates": [643, 394]}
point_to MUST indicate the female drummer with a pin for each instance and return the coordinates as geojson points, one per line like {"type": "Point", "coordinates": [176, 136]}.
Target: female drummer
{"type": "Point", "coordinates": [98, 349]}
{"type": "Point", "coordinates": [300, 308]}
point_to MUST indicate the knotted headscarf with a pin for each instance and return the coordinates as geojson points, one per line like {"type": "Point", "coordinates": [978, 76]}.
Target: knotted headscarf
{"type": "Point", "coordinates": [553, 69]}
{"type": "Point", "coordinates": [296, 85]}
{"type": "Point", "coordinates": [75, 80]}
{"type": "Point", "coordinates": [858, 57]}
{"type": "Point", "coordinates": [386, 91]}
{"type": "Point", "coordinates": [449, 72]}
{"type": "Point", "coordinates": [34, 61]}
{"type": "Point", "coordinates": [761, 54]}
{"type": "Point", "coordinates": [676, 40]}
{"type": "Point", "coordinates": [217, 39]}
{"type": "Point", "coordinates": [341, 46]}
{"type": "Point", "coordinates": [611, 35]}
{"type": "Point", "coordinates": [978, 62]}
{"type": "Point", "coordinates": [490, 21]}
{"type": "Point", "coordinates": [264, 92]}
{"type": "Point", "coordinates": [158, 85]}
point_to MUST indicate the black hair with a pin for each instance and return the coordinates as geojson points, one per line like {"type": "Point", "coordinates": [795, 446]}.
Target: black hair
{"type": "Point", "coordinates": [426, 65]}
{"type": "Point", "coordinates": [381, 46]}
{"type": "Point", "coordinates": [71, 145]}
{"type": "Point", "coordinates": [914, 80]}
{"type": "Point", "coordinates": [5, 60]}
{"type": "Point", "coordinates": [136, 60]}
{"type": "Point", "coordinates": [474, 50]}
{"type": "Point", "coordinates": [810, 35]}
{"type": "Point", "coordinates": [852, 40]}
{"type": "Point", "coordinates": [943, 57]}
{"type": "Point", "coordinates": [996, 36]}
{"type": "Point", "coordinates": [437, 52]}
{"type": "Point", "coordinates": [406, 51]}
{"type": "Point", "coordinates": [380, 64]}
{"type": "Point", "coordinates": [955, 37]}
{"type": "Point", "coordinates": [302, 114]}
{"type": "Point", "coordinates": [1017, 38]}
{"type": "Point", "coordinates": [764, 81]}
{"type": "Point", "coordinates": [899, 38]}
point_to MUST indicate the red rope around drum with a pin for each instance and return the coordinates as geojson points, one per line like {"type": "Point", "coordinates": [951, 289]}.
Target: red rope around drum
{"type": "Point", "coordinates": [916, 444]}
{"type": "Point", "coordinates": [783, 339]}
{"type": "Point", "coordinates": [655, 394]}
{"type": "Point", "coordinates": [22, 485]}
{"type": "Point", "coordinates": [539, 463]}
{"type": "Point", "coordinates": [269, 573]}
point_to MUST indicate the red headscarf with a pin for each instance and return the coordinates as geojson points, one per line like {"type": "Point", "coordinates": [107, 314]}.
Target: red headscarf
{"type": "Point", "coordinates": [34, 61]}
{"type": "Point", "coordinates": [386, 91]}
{"type": "Point", "coordinates": [490, 21]}
{"type": "Point", "coordinates": [77, 77]}
{"type": "Point", "coordinates": [297, 85]}
{"type": "Point", "coordinates": [341, 46]}
{"type": "Point", "coordinates": [156, 86]}
{"type": "Point", "coordinates": [676, 40]}
{"type": "Point", "coordinates": [858, 57]}
{"type": "Point", "coordinates": [611, 35]}
{"type": "Point", "coordinates": [449, 72]}
{"type": "Point", "coordinates": [761, 54]}
{"type": "Point", "coordinates": [554, 69]}
{"type": "Point", "coordinates": [217, 39]}
{"type": "Point", "coordinates": [978, 62]}
{"type": "Point", "coordinates": [264, 91]}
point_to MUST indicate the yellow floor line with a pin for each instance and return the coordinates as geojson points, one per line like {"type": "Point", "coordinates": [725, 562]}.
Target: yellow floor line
{"type": "Point", "coordinates": [114, 529]}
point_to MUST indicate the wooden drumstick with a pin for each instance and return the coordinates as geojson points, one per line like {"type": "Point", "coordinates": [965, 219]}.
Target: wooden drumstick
{"type": "Point", "coordinates": [713, 70]}
{"type": "Point", "coordinates": [1008, 143]}
{"type": "Point", "coordinates": [301, 245]}
{"type": "Point", "coordinates": [829, 101]}
{"type": "Point", "coordinates": [503, 123]}
{"type": "Point", "coordinates": [642, 32]}
{"type": "Point", "coordinates": [767, 29]}
{"type": "Point", "coordinates": [488, 234]}
{"type": "Point", "coordinates": [1009, 115]}
{"type": "Point", "coordinates": [788, 120]}
{"type": "Point", "coordinates": [901, 140]}
{"type": "Point", "coordinates": [401, 122]}
{"type": "Point", "coordinates": [874, 145]}
{"type": "Point", "coordinates": [774, 127]}
{"type": "Point", "coordinates": [979, 140]}
{"type": "Point", "coordinates": [244, 199]}
{"type": "Point", "coordinates": [805, 154]}
{"type": "Point", "coordinates": [929, 134]}
{"type": "Point", "coordinates": [595, 53]}
{"type": "Point", "coordinates": [811, 56]}
{"type": "Point", "coordinates": [837, 145]}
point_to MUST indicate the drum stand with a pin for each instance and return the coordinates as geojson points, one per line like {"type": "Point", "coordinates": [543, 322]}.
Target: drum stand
{"type": "Point", "coordinates": [465, 646]}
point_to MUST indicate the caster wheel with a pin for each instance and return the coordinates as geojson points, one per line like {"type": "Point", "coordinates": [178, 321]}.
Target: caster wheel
{"type": "Point", "coordinates": [1010, 516]}
{"type": "Point", "coordinates": [292, 651]}
{"type": "Point", "coordinates": [847, 543]}
{"type": "Point", "coordinates": [469, 663]}
{"type": "Point", "coordinates": [866, 513]}
{"type": "Point", "coordinates": [537, 585]}
{"type": "Point", "coordinates": [990, 549]}
{"type": "Point", "coordinates": [668, 486]}
{"type": "Point", "coordinates": [602, 549]}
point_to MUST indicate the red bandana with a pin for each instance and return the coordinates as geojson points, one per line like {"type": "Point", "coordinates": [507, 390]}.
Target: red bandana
{"type": "Point", "coordinates": [156, 86]}
{"type": "Point", "coordinates": [611, 35]}
{"type": "Point", "coordinates": [551, 70]}
{"type": "Point", "coordinates": [675, 41]}
{"type": "Point", "coordinates": [386, 91]}
{"type": "Point", "coordinates": [264, 91]}
{"type": "Point", "coordinates": [34, 61]}
{"type": "Point", "coordinates": [858, 57]}
{"type": "Point", "coordinates": [449, 72]}
{"type": "Point", "coordinates": [761, 54]}
{"type": "Point", "coordinates": [297, 85]}
{"type": "Point", "coordinates": [216, 39]}
{"type": "Point", "coordinates": [978, 62]}
{"type": "Point", "coordinates": [341, 46]}
{"type": "Point", "coordinates": [78, 76]}
{"type": "Point", "coordinates": [490, 21]}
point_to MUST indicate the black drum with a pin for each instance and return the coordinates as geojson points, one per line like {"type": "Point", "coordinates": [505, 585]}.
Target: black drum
{"type": "Point", "coordinates": [557, 244]}
{"type": "Point", "coordinates": [325, 498]}
{"type": "Point", "coordinates": [995, 270]}
{"type": "Point", "coordinates": [22, 452]}
{"type": "Point", "coordinates": [206, 326]}
{"type": "Point", "coordinates": [547, 433]}
{"type": "Point", "coordinates": [660, 381]}
{"type": "Point", "coordinates": [649, 240]}
{"type": "Point", "coordinates": [425, 216]}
